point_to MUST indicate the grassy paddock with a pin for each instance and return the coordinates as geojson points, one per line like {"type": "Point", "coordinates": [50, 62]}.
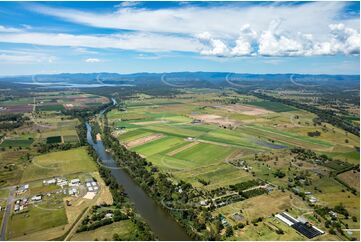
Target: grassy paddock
{"type": "Point", "coordinates": [16, 143]}
{"type": "Point", "coordinates": [59, 163]}
{"type": "Point", "coordinates": [123, 228]}
{"type": "Point", "coordinates": [36, 219]}
{"type": "Point", "coordinates": [273, 106]}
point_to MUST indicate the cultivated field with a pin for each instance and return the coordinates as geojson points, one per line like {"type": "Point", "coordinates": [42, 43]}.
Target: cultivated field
{"type": "Point", "coordinates": [198, 137]}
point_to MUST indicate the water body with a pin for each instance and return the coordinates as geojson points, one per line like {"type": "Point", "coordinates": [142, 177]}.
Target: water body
{"type": "Point", "coordinates": [160, 222]}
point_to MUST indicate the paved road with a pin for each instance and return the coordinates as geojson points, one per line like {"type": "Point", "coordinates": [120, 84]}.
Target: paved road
{"type": "Point", "coordinates": [7, 213]}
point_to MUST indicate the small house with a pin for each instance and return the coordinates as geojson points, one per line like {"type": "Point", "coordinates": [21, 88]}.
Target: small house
{"type": "Point", "coordinates": [36, 198]}
{"type": "Point", "coordinates": [74, 182]}
{"type": "Point", "coordinates": [73, 191]}
{"type": "Point", "coordinates": [312, 199]}
{"type": "Point", "coordinates": [333, 214]}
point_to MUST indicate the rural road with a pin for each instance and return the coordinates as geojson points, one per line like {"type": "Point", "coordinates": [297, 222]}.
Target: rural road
{"type": "Point", "coordinates": [7, 213]}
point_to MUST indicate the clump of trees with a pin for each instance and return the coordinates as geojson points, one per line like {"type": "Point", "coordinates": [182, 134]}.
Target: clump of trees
{"type": "Point", "coordinates": [314, 133]}
{"type": "Point", "coordinates": [12, 121]}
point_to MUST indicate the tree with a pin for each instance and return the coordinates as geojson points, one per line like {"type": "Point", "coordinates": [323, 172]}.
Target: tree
{"type": "Point", "coordinates": [279, 174]}
{"type": "Point", "coordinates": [229, 231]}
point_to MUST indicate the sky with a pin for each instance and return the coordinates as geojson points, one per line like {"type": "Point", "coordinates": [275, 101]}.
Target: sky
{"type": "Point", "coordinates": [128, 37]}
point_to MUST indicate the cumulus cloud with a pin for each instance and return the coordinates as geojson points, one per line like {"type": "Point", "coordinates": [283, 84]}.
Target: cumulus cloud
{"type": "Point", "coordinates": [346, 40]}
{"type": "Point", "coordinates": [275, 42]}
{"type": "Point", "coordinates": [245, 42]}
{"type": "Point", "coordinates": [215, 47]}
{"type": "Point", "coordinates": [92, 60]}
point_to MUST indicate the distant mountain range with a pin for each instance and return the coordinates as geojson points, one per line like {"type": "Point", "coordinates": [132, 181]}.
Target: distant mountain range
{"type": "Point", "coordinates": [184, 79]}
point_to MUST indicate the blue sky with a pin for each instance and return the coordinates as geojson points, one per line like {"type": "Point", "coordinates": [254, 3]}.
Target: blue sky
{"type": "Point", "coordinates": [127, 37]}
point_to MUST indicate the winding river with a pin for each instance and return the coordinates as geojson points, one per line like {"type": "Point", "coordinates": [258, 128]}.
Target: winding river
{"type": "Point", "coordinates": [160, 222]}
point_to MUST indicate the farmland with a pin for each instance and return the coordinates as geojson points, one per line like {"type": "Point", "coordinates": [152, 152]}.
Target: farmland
{"type": "Point", "coordinates": [48, 177]}
{"type": "Point", "coordinates": [213, 145]}
{"type": "Point", "coordinates": [51, 102]}
{"type": "Point", "coordinates": [243, 158]}
{"type": "Point", "coordinates": [61, 162]}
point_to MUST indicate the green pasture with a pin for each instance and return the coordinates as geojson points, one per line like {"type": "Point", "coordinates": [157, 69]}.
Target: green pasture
{"type": "Point", "coordinates": [59, 163]}
{"type": "Point", "coordinates": [218, 174]}
{"type": "Point", "coordinates": [205, 154]}
{"type": "Point", "coordinates": [35, 219]}
{"type": "Point", "coordinates": [272, 106]}
{"type": "Point", "coordinates": [171, 164]}
{"type": "Point", "coordinates": [125, 229]}
{"type": "Point", "coordinates": [17, 101]}
{"type": "Point", "coordinates": [70, 139]}
{"type": "Point", "coordinates": [16, 143]}
{"type": "Point", "coordinates": [158, 146]}
{"type": "Point", "coordinates": [173, 130]}
{"type": "Point", "coordinates": [283, 137]}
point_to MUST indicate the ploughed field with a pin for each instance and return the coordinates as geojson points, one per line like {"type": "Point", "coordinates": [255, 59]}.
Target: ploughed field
{"type": "Point", "coordinates": [203, 139]}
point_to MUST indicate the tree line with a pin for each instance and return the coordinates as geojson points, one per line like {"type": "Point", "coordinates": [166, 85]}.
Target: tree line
{"type": "Point", "coordinates": [327, 116]}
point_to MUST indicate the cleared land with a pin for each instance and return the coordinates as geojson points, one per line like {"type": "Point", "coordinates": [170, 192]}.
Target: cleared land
{"type": "Point", "coordinates": [259, 134]}
{"type": "Point", "coordinates": [245, 109]}
{"type": "Point", "coordinates": [176, 151]}
{"type": "Point", "coordinates": [215, 119]}
{"type": "Point", "coordinates": [143, 140]}
{"type": "Point", "coordinates": [61, 162]}
{"type": "Point", "coordinates": [124, 228]}
{"type": "Point", "coordinates": [352, 178]}
{"type": "Point", "coordinates": [34, 220]}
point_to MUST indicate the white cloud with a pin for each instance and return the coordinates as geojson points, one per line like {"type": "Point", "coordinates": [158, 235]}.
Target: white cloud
{"type": "Point", "coordinates": [222, 31]}
{"type": "Point", "coordinates": [216, 47]}
{"type": "Point", "coordinates": [82, 50]}
{"type": "Point", "coordinates": [24, 57]}
{"type": "Point", "coordinates": [220, 21]}
{"type": "Point", "coordinates": [93, 60]}
{"type": "Point", "coordinates": [274, 42]}
{"type": "Point", "coordinates": [345, 39]}
{"type": "Point", "coordinates": [9, 29]}
{"type": "Point", "coordinates": [245, 42]}
{"type": "Point", "coordinates": [128, 4]}
{"type": "Point", "coordinates": [146, 42]}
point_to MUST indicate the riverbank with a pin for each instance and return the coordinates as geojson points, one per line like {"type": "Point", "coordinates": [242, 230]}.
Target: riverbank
{"type": "Point", "coordinates": [160, 222]}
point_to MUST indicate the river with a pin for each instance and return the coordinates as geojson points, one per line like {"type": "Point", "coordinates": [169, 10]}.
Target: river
{"type": "Point", "coordinates": [160, 222]}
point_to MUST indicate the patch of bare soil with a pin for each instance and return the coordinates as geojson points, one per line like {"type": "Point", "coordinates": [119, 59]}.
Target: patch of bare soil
{"type": "Point", "coordinates": [216, 119]}
{"type": "Point", "coordinates": [98, 137]}
{"type": "Point", "coordinates": [245, 109]}
{"type": "Point", "coordinates": [143, 140]}
{"type": "Point", "coordinates": [352, 178]}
